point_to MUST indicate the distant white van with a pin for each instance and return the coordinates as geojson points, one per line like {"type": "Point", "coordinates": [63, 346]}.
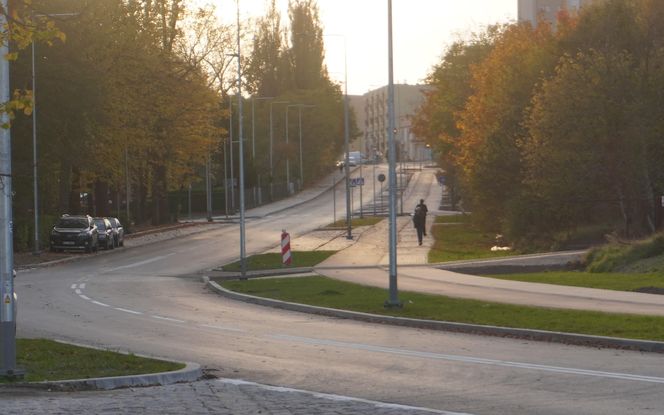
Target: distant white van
{"type": "Point", "coordinates": [354, 158]}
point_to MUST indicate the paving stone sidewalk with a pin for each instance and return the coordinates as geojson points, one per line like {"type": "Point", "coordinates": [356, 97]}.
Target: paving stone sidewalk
{"type": "Point", "coordinates": [218, 397]}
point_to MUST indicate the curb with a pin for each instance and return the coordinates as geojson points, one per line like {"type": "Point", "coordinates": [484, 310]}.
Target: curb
{"type": "Point", "coordinates": [75, 258]}
{"type": "Point", "coordinates": [190, 373]}
{"type": "Point", "coordinates": [234, 275]}
{"type": "Point", "coordinates": [536, 335]}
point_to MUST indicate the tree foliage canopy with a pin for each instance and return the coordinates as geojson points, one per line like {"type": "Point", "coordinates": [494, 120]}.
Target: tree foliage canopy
{"type": "Point", "coordinates": [551, 130]}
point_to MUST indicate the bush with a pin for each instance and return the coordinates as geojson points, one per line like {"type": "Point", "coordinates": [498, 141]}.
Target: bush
{"type": "Point", "coordinates": [616, 255]}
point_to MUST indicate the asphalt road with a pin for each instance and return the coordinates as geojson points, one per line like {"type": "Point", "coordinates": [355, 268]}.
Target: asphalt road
{"type": "Point", "coordinates": [148, 300]}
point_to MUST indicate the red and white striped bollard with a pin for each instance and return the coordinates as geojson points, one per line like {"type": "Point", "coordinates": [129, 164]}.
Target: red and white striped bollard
{"type": "Point", "coordinates": [285, 248]}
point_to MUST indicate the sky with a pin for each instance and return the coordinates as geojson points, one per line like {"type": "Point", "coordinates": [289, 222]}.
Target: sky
{"type": "Point", "coordinates": [357, 31]}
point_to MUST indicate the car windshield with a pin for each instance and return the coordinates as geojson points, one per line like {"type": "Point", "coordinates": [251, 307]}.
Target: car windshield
{"type": "Point", "coordinates": [72, 223]}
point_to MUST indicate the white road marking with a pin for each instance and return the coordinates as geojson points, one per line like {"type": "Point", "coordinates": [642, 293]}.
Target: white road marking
{"type": "Point", "coordinates": [73, 286]}
{"type": "Point", "coordinates": [85, 297]}
{"type": "Point", "coordinates": [168, 319]}
{"type": "Point", "coordinates": [225, 328]}
{"type": "Point", "coordinates": [475, 360]}
{"type": "Point", "coordinates": [128, 311]}
{"type": "Point", "coordinates": [77, 291]}
{"type": "Point", "coordinates": [138, 264]}
{"type": "Point", "coordinates": [98, 303]}
{"type": "Point", "coordinates": [81, 286]}
{"type": "Point", "coordinates": [338, 398]}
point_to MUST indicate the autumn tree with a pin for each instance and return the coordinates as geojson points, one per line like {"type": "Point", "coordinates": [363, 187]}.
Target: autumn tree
{"type": "Point", "coordinates": [491, 121]}
{"type": "Point", "coordinates": [450, 82]}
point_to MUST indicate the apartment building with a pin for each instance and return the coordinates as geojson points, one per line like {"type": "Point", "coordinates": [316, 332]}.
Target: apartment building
{"type": "Point", "coordinates": [407, 100]}
{"type": "Point", "coordinates": [531, 10]}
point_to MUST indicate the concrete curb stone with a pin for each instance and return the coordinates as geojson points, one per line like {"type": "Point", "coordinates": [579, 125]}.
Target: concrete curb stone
{"type": "Point", "coordinates": [528, 334]}
{"type": "Point", "coordinates": [190, 373]}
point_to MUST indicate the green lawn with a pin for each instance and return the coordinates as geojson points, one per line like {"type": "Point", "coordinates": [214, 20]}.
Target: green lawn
{"type": "Point", "coordinates": [608, 281]}
{"type": "Point", "coordinates": [325, 292]}
{"type": "Point", "coordinates": [273, 260]}
{"type": "Point", "coordinates": [47, 360]}
{"type": "Point", "coordinates": [456, 239]}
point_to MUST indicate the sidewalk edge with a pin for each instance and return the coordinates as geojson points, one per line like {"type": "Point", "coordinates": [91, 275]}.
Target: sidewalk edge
{"type": "Point", "coordinates": [190, 373]}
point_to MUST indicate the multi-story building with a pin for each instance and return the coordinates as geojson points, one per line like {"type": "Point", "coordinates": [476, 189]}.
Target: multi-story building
{"type": "Point", "coordinates": [532, 10]}
{"type": "Point", "coordinates": [407, 100]}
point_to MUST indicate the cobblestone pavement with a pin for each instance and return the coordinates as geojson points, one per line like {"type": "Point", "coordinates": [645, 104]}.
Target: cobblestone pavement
{"type": "Point", "coordinates": [217, 397]}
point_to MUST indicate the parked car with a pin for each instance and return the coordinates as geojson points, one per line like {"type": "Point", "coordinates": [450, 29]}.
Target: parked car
{"type": "Point", "coordinates": [105, 231]}
{"type": "Point", "coordinates": [74, 232]}
{"type": "Point", "coordinates": [118, 231]}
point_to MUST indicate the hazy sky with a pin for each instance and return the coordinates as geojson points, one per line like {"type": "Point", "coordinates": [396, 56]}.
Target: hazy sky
{"type": "Point", "coordinates": [422, 30]}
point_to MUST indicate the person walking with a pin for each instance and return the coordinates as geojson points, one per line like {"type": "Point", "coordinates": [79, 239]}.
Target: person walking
{"type": "Point", "coordinates": [419, 217]}
{"type": "Point", "coordinates": [425, 210]}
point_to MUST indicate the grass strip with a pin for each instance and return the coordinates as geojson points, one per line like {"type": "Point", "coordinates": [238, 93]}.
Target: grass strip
{"type": "Point", "coordinates": [457, 239]}
{"type": "Point", "coordinates": [364, 221]}
{"type": "Point", "coordinates": [607, 281]}
{"type": "Point", "coordinates": [47, 360]}
{"type": "Point", "coordinates": [326, 292]}
{"type": "Point", "coordinates": [272, 260]}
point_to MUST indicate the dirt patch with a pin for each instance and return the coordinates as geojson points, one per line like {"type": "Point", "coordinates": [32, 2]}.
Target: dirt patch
{"type": "Point", "coordinates": [24, 259]}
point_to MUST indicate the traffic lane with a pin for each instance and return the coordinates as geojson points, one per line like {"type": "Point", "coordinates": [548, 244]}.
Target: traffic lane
{"type": "Point", "coordinates": [415, 367]}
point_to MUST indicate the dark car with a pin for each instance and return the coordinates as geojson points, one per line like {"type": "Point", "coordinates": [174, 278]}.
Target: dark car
{"type": "Point", "coordinates": [74, 232]}
{"type": "Point", "coordinates": [105, 230]}
{"type": "Point", "coordinates": [118, 231]}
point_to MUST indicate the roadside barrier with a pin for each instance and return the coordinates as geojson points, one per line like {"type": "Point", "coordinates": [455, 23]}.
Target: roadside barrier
{"type": "Point", "coordinates": [285, 248]}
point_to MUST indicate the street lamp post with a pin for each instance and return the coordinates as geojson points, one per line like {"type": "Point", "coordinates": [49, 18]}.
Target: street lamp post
{"type": "Point", "coordinates": [272, 144]}
{"type": "Point", "coordinates": [349, 234]}
{"type": "Point", "coordinates": [301, 161]}
{"type": "Point", "coordinates": [253, 123]}
{"type": "Point", "coordinates": [7, 317]}
{"type": "Point", "coordinates": [230, 145]}
{"type": "Point", "coordinates": [243, 262]}
{"type": "Point", "coordinates": [253, 139]}
{"type": "Point", "coordinates": [35, 248]}
{"type": "Point", "coordinates": [393, 300]}
{"type": "Point", "coordinates": [346, 145]}
{"type": "Point", "coordinates": [288, 186]}
{"type": "Point", "coordinates": [299, 107]}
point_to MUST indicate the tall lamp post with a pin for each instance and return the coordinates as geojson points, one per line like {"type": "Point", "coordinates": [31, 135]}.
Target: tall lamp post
{"type": "Point", "coordinates": [300, 122]}
{"type": "Point", "coordinates": [35, 184]}
{"type": "Point", "coordinates": [272, 143]}
{"type": "Point", "coordinates": [243, 254]}
{"type": "Point", "coordinates": [35, 248]}
{"type": "Point", "coordinates": [253, 123]}
{"type": "Point", "coordinates": [253, 139]}
{"type": "Point", "coordinates": [349, 234]}
{"type": "Point", "coordinates": [393, 300]}
{"type": "Point", "coordinates": [7, 317]}
{"type": "Point", "coordinates": [288, 186]}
